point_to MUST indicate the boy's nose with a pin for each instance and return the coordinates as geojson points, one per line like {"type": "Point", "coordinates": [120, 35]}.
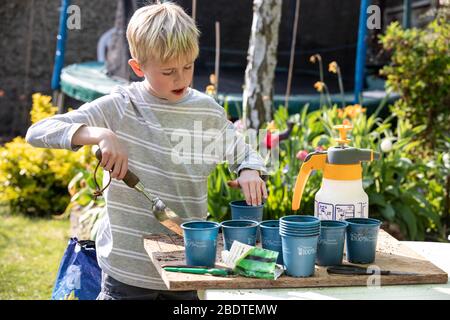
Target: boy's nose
{"type": "Point", "coordinates": [179, 79]}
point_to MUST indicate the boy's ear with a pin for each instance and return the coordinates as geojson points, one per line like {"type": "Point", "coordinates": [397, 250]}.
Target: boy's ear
{"type": "Point", "coordinates": [136, 68]}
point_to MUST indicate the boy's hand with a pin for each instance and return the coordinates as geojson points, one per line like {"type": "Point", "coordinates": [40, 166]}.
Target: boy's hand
{"type": "Point", "coordinates": [114, 155]}
{"type": "Point", "coordinates": [253, 187]}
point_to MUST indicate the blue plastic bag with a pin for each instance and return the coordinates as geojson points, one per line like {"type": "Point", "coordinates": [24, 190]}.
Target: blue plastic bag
{"type": "Point", "coordinates": [79, 275]}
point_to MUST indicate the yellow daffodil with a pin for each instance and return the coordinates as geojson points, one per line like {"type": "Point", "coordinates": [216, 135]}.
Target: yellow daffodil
{"type": "Point", "coordinates": [271, 126]}
{"type": "Point", "coordinates": [333, 67]}
{"type": "Point", "coordinates": [319, 85]}
{"type": "Point", "coordinates": [211, 90]}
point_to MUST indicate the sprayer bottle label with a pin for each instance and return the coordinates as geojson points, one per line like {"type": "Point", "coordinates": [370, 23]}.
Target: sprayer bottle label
{"type": "Point", "coordinates": [362, 210]}
{"type": "Point", "coordinates": [325, 211]}
{"type": "Point", "coordinates": [344, 211]}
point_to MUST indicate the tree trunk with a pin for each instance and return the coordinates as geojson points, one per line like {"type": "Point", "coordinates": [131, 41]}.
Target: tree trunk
{"type": "Point", "coordinates": [261, 62]}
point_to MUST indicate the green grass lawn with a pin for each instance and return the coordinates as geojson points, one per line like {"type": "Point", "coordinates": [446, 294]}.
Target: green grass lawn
{"type": "Point", "coordinates": [30, 253]}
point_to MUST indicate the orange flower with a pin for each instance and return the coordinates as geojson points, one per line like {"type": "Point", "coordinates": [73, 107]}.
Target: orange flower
{"type": "Point", "coordinates": [351, 111]}
{"type": "Point", "coordinates": [333, 67]}
{"type": "Point", "coordinates": [319, 85]}
{"type": "Point", "coordinates": [359, 109]}
{"type": "Point", "coordinates": [347, 122]}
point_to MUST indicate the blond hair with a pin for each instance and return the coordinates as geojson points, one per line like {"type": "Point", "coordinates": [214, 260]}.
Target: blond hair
{"type": "Point", "coordinates": [163, 32]}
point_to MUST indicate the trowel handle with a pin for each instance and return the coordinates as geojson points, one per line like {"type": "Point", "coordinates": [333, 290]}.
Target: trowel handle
{"type": "Point", "coordinates": [314, 161]}
{"type": "Point", "coordinates": [130, 178]}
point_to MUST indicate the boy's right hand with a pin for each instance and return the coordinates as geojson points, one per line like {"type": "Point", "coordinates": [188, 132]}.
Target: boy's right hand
{"type": "Point", "coordinates": [114, 155]}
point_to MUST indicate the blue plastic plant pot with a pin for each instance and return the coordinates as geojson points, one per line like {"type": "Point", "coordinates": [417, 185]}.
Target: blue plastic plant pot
{"type": "Point", "coordinates": [330, 248]}
{"type": "Point", "coordinates": [200, 242]}
{"type": "Point", "coordinates": [240, 210]}
{"type": "Point", "coordinates": [362, 236]}
{"type": "Point", "coordinates": [297, 234]}
{"type": "Point", "coordinates": [243, 231]}
{"type": "Point", "coordinates": [270, 237]}
{"type": "Point", "coordinates": [300, 230]}
{"type": "Point", "coordinates": [299, 255]}
{"type": "Point", "coordinates": [291, 227]}
{"type": "Point", "coordinates": [300, 221]}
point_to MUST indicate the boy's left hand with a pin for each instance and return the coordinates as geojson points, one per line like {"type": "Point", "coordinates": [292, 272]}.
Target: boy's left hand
{"type": "Point", "coordinates": [253, 187]}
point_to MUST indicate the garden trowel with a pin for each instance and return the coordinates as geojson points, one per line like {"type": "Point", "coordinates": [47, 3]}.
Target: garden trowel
{"type": "Point", "coordinates": [162, 213]}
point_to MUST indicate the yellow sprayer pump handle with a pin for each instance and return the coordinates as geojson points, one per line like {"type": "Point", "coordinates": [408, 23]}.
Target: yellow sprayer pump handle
{"type": "Point", "coordinates": [314, 161]}
{"type": "Point", "coordinates": [342, 128]}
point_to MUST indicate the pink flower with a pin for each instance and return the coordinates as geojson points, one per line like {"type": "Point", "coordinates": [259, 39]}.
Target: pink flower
{"type": "Point", "coordinates": [301, 155]}
{"type": "Point", "coordinates": [320, 148]}
{"type": "Point", "coordinates": [239, 125]}
{"type": "Point", "coordinates": [271, 140]}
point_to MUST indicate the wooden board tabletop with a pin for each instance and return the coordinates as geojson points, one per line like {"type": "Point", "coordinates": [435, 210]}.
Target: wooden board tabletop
{"type": "Point", "coordinates": [391, 255]}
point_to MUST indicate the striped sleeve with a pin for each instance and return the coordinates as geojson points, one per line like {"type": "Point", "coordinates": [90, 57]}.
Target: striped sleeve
{"type": "Point", "coordinates": [56, 132]}
{"type": "Point", "coordinates": [239, 154]}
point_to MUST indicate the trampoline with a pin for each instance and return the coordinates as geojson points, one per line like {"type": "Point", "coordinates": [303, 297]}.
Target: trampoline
{"type": "Point", "coordinates": [88, 81]}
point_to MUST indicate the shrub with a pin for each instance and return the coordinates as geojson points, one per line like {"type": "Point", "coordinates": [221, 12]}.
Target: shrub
{"type": "Point", "coordinates": [84, 206]}
{"type": "Point", "coordinates": [33, 181]}
{"type": "Point", "coordinates": [420, 73]}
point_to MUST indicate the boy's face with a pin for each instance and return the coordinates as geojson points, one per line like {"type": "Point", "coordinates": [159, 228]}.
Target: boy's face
{"type": "Point", "coordinates": [168, 80]}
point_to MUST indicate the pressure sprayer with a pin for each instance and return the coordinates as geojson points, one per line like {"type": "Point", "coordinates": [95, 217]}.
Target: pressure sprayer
{"type": "Point", "coordinates": [341, 194]}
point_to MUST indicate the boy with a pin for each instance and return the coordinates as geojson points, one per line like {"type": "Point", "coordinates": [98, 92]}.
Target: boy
{"type": "Point", "coordinates": [142, 127]}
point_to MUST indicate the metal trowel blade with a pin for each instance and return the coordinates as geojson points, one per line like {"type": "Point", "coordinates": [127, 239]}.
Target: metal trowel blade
{"type": "Point", "coordinates": [169, 219]}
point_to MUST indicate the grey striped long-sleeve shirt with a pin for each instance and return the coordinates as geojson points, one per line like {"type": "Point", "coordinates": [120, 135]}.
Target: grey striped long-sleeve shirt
{"type": "Point", "coordinates": [172, 147]}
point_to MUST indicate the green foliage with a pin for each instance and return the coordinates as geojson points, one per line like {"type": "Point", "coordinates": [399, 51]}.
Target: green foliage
{"type": "Point", "coordinates": [83, 203]}
{"type": "Point", "coordinates": [420, 73]}
{"type": "Point", "coordinates": [400, 186]}
{"type": "Point", "coordinates": [404, 191]}
{"type": "Point", "coordinates": [33, 181]}
{"type": "Point", "coordinates": [219, 194]}
{"type": "Point", "coordinates": [305, 135]}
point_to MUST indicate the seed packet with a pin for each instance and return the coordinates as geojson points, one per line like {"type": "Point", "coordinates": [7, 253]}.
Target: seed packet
{"type": "Point", "coordinates": [254, 262]}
